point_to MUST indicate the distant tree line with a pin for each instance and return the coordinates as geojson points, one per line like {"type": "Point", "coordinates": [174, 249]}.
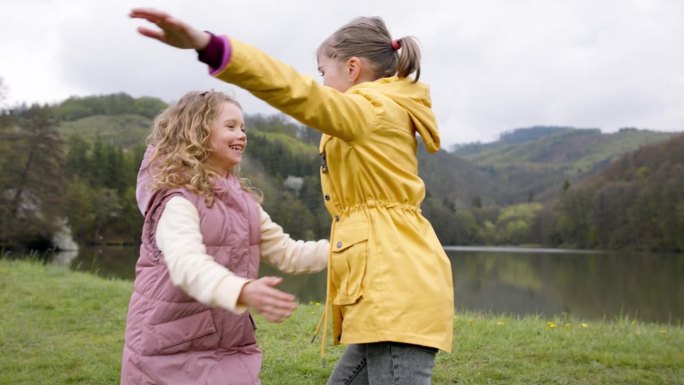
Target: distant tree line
{"type": "Point", "coordinates": [100, 195]}
{"type": "Point", "coordinates": [76, 108]}
{"type": "Point", "coordinates": [48, 183]}
{"type": "Point", "coordinates": [637, 202]}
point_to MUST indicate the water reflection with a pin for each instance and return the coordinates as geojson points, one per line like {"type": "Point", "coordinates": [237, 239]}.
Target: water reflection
{"type": "Point", "coordinates": [512, 281]}
{"type": "Point", "coordinates": [589, 286]}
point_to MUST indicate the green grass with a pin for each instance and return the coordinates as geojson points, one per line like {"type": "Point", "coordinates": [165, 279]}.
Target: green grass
{"type": "Point", "coordinates": [64, 327]}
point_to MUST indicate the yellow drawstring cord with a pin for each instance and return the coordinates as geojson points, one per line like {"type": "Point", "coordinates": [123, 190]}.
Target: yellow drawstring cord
{"type": "Point", "coordinates": [324, 317]}
{"type": "Point", "coordinates": [318, 328]}
{"type": "Point", "coordinates": [325, 334]}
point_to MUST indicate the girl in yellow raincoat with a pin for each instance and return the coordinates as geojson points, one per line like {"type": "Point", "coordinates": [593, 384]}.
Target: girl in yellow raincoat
{"type": "Point", "coordinates": [390, 289]}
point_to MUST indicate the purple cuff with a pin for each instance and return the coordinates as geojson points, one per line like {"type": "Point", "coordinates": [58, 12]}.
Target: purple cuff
{"type": "Point", "coordinates": [216, 54]}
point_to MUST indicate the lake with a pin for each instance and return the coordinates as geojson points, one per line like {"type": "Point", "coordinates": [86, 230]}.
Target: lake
{"type": "Point", "coordinates": [513, 281]}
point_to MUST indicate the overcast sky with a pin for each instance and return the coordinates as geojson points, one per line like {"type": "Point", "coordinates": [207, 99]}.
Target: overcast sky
{"type": "Point", "coordinates": [493, 65]}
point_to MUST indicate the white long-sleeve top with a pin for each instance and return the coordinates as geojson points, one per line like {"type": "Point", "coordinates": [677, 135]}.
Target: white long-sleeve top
{"type": "Point", "coordinates": [179, 238]}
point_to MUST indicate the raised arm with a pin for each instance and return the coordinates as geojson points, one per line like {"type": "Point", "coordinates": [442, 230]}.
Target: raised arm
{"type": "Point", "coordinates": [344, 115]}
{"type": "Point", "coordinates": [348, 116]}
{"type": "Point", "coordinates": [200, 276]}
{"type": "Point", "coordinates": [288, 255]}
{"type": "Point", "coordinates": [174, 32]}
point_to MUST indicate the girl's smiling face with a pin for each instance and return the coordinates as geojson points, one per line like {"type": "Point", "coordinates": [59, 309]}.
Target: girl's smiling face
{"type": "Point", "coordinates": [228, 139]}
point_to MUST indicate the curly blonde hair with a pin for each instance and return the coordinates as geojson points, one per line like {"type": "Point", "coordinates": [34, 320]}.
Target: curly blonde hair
{"type": "Point", "coordinates": [182, 146]}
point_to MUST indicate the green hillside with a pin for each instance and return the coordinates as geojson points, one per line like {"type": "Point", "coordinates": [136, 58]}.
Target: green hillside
{"type": "Point", "coordinates": [128, 130]}
{"type": "Point", "coordinates": [294, 145]}
{"type": "Point", "coordinates": [636, 202]}
{"type": "Point", "coordinates": [77, 161]}
{"type": "Point", "coordinates": [124, 130]}
{"type": "Point", "coordinates": [536, 161]}
{"type": "Point", "coordinates": [575, 151]}
{"type": "Point", "coordinates": [457, 181]}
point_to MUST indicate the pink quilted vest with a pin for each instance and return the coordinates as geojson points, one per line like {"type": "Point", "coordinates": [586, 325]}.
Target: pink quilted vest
{"type": "Point", "coordinates": [170, 337]}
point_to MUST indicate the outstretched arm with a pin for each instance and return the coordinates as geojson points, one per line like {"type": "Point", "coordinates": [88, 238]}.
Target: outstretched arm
{"type": "Point", "coordinates": [343, 115]}
{"type": "Point", "coordinates": [200, 276]}
{"type": "Point", "coordinates": [291, 256]}
{"type": "Point", "coordinates": [271, 303]}
{"type": "Point", "coordinates": [174, 32]}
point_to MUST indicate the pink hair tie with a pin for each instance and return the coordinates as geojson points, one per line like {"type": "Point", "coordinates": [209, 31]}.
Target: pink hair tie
{"type": "Point", "coordinates": [396, 45]}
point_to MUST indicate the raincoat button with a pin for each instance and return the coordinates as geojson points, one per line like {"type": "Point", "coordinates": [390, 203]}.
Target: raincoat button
{"type": "Point", "coordinates": [337, 218]}
{"type": "Point", "coordinates": [324, 164]}
{"type": "Point", "coordinates": [327, 197]}
{"type": "Point", "coordinates": [339, 244]}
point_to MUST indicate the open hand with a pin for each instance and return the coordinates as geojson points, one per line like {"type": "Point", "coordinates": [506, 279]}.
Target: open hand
{"type": "Point", "coordinates": [174, 32]}
{"type": "Point", "coordinates": [271, 303]}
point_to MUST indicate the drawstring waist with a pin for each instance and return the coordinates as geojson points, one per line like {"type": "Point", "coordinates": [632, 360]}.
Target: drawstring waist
{"type": "Point", "coordinates": [347, 211]}
{"type": "Point", "coordinates": [372, 203]}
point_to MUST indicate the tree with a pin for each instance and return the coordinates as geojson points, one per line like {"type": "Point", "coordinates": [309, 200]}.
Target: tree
{"type": "Point", "coordinates": [573, 217]}
{"type": "Point", "coordinates": [3, 91]}
{"type": "Point", "coordinates": [77, 156]}
{"type": "Point", "coordinates": [148, 107]}
{"type": "Point", "coordinates": [81, 214]}
{"type": "Point", "coordinates": [514, 224]}
{"type": "Point", "coordinates": [32, 179]}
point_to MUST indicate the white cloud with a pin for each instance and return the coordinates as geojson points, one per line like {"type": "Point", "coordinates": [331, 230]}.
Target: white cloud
{"type": "Point", "coordinates": [493, 65]}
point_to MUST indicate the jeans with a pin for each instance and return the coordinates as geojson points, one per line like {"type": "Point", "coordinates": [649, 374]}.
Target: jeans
{"type": "Point", "coordinates": [384, 363]}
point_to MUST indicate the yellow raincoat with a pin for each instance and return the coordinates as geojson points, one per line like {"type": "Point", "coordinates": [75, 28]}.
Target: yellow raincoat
{"type": "Point", "coordinates": [389, 278]}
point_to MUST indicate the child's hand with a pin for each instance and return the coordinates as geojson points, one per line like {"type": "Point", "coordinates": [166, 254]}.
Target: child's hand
{"type": "Point", "coordinates": [273, 304]}
{"type": "Point", "coordinates": [174, 32]}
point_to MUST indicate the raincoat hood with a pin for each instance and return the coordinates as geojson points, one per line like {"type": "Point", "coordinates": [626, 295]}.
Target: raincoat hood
{"type": "Point", "coordinates": [414, 98]}
{"type": "Point", "coordinates": [143, 194]}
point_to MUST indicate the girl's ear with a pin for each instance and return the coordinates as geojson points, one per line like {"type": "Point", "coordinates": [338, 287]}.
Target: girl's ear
{"type": "Point", "coordinates": [353, 68]}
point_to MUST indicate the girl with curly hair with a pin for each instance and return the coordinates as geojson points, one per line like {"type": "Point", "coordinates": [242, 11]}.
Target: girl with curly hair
{"type": "Point", "coordinates": [204, 235]}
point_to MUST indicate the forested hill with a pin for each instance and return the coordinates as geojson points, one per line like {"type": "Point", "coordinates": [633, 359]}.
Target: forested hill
{"type": "Point", "coordinates": [535, 162]}
{"type": "Point", "coordinates": [457, 182]}
{"type": "Point", "coordinates": [75, 163]}
{"type": "Point", "coordinates": [72, 166]}
{"type": "Point", "coordinates": [635, 202]}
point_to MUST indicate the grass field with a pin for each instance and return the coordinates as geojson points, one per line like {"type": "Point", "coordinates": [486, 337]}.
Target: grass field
{"type": "Point", "coordinates": [64, 327]}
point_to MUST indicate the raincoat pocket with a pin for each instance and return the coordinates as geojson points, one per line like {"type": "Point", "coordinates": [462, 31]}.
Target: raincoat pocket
{"type": "Point", "coordinates": [348, 261]}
